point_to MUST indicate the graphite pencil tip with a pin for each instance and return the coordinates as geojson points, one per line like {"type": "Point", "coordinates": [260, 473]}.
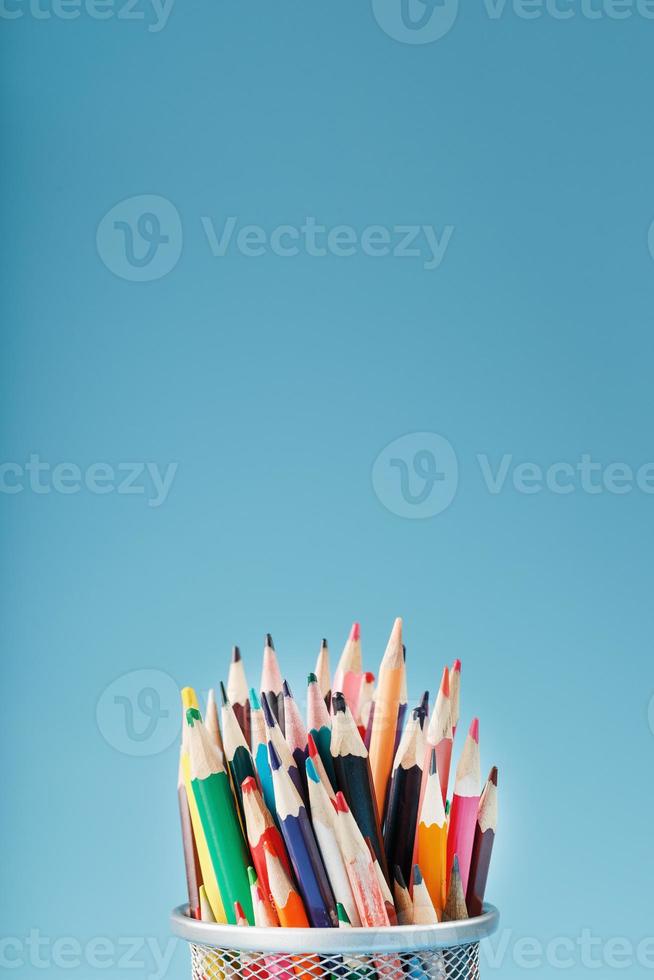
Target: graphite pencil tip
{"type": "Point", "coordinates": [286, 689]}
{"type": "Point", "coordinates": [324, 644]}
{"type": "Point", "coordinates": [236, 655]}
{"type": "Point", "coordinates": [399, 877]}
{"type": "Point", "coordinates": [474, 729]}
{"type": "Point", "coordinates": [223, 693]}
{"type": "Point", "coordinates": [268, 714]}
{"type": "Point", "coordinates": [433, 765]}
{"type": "Point", "coordinates": [269, 641]}
{"type": "Point", "coordinates": [455, 865]}
{"type": "Point", "coordinates": [338, 702]}
{"type": "Point", "coordinates": [417, 875]}
{"type": "Point", "coordinates": [404, 652]}
{"type": "Point", "coordinates": [492, 776]}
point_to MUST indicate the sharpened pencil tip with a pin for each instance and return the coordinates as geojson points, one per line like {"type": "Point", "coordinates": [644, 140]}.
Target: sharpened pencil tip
{"type": "Point", "coordinates": [268, 714]}
{"type": "Point", "coordinates": [433, 764]}
{"type": "Point", "coordinates": [269, 641]}
{"type": "Point", "coordinates": [324, 644]}
{"type": "Point", "coordinates": [338, 702]}
{"type": "Point", "coordinates": [249, 784]}
{"type": "Point", "coordinates": [404, 652]}
{"type": "Point", "coordinates": [275, 761]}
{"type": "Point", "coordinates": [223, 693]}
{"type": "Point", "coordinates": [193, 715]}
{"type": "Point", "coordinates": [369, 678]}
{"type": "Point", "coordinates": [399, 877]}
{"type": "Point", "coordinates": [236, 655]}
{"type": "Point", "coordinates": [455, 865]}
{"type": "Point", "coordinates": [474, 729]}
{"type": "Point", "coordinates": [252, 876]}
{"type": "Point", "coordinates": [445, 682]}
{"type": "Point", "coordinates": [355, 632]}
{"type": "Point", "coordinates": [254, 700]}
{"type": "Point", "coordinates": [313, 748]}
{"type": "Point", "coordinates": [286, 689]}
{"type": "Point", "coordinates": [492, 776]}
{"type": "Point", "coordinates": [312, 679]}
{"type": "Point", "coordinates": [311, 771]}
{"type": "Point", "coordinates": [417, 875]}
{"type": "Point", "coordinates": [342, 914]}
{"type": "Point", "coordinates": [457, 666]}
{"type": "Point", "coordinates": [340, 802]}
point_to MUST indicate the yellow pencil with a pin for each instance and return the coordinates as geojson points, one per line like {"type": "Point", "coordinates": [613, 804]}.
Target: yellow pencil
{"type": "Point", "coordinates": [431, 838]}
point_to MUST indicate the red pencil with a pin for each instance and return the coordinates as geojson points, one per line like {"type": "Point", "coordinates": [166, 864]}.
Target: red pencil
{"type": "Point", "coordinates": [482, 847]}
{"type": "Point", "coordinates": [261, 828]}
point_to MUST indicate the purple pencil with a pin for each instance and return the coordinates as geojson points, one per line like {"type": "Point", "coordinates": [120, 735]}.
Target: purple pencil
{"type": "Point", "coordinates": [302, 847]}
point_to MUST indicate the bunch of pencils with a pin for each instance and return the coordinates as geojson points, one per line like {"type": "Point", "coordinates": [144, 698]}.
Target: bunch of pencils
{"type": "Point", "coordinates": [340, 821]}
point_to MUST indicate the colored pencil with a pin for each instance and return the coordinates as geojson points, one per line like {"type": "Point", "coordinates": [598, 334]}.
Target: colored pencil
{"type": "Point", "coordinates": [455, 905]}
{"type": "Point", "coordinates": [384, 723]}
{"type": "Point", "coordinates": [190, 701]}
{"type": "Point", "coordinates": [383, 884]}
{"type": "Point", "coordinates": [211, 720]}
{"type": "Point", "coordinates": [237, 751]}
{"type": "Point", "coordinates": [315, 757]}
{"type": "Point", "coordinates": [271, 681]}
{"type": "Point", "coordinates": [371, 720]}
{"type": "Point", "coordinates": [353, 776]}
{"type": "Point", "coordinates": [403, 797]}
{"type": "Point", "coordinates": [238, 692]}
{"type": "Point", "coordinates": [439, 732]}
{"type": "Point", "coordinates": [191, 860]}
{"type": "Point", "coordinates": [482, 847]}
{"type": "Point", "coordinates": [455, 693]}
{"type": "Point", "coordinates": [323, 674]}
{"type": "Point", "coordinates": [260, 827]}
{"type": "Point", "coordinates": [302, 848]}
{"type": "Point", "coordinates": [320, 725]}
{"type": "Point", "coordinates": [287, 900]}
{"type": "Point", "coordinates": [220, 822]}
{"type": "Point", "coordinates": [323, 818]}
{"type": "Point", "coordinates": [365, 701]}
{"type": "Point", "coordinates": [403, 902]}
{"type": "Point", "coordinates": [431, 838]}
{"type": "Point", "coordinates": [402, 706]}
{"type": "Point", "coordinates": [465, 802]}
{"type": "Point", "coordinates": [259, 750]}
{"type": "Point", "coordinates": [424, 704]}
{"type": "Point", "coordinates": [264, 911]}
{"type": "Point", "coordinates": [282, 748]}
{"type": "Point", "coordinates": [206, 912]}
{"type": "Point", "coordinates": [359, 866]}
{"type": "Point", "coordinates": [349, 672]}
{"type": "Point", "coordinates": [296, 733]}
{"type": "Point", "coordinates": [424, 913]}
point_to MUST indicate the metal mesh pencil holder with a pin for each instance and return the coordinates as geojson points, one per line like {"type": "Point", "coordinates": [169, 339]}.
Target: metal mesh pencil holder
{"type": "Point", "coordinates": [447, 951]}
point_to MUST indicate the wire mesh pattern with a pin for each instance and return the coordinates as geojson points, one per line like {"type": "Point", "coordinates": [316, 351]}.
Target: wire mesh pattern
{"type": "Point", "coordinates": [450, 963]}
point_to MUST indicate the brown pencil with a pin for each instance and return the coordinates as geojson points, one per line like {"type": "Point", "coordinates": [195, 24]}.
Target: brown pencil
{"type": "Point", "coordinates": [482, 847]}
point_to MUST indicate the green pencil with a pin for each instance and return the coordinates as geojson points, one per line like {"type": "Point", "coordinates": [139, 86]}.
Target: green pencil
{"type": "Point", "coordinates": [220, 823]}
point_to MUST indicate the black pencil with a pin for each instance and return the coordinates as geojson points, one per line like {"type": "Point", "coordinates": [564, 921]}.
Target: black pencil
{"type": "Point", "coordinates": [404, 797]}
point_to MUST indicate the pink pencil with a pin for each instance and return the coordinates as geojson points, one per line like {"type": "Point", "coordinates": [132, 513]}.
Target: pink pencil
{"type": "Point", "coordinates": [465, 803]}
{"type": "Point", "coordinates": [349, 672]}
{"type": "Point", "coordinates": [455, 693]}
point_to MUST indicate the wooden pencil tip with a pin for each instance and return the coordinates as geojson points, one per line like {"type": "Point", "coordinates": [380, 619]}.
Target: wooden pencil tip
{"type": "Point", "coordinates": [252, 876]}
{"type": "Point", "coordinates": [238, 910]}
{"type": "Point", "coordinates": [355, 632]}
{"type": "Point", "coordinates": [193, 715]}
{"type": "Point", "coordinates": [340, 802]}
{"type": "Point", "coordinates": [236, 655]}
{"type": "Point", "coordinates": [433, 764]}
{"type": "Point", "coordinates": [223, 694]}
{"type": "Point", "coordinates": [254, 700]}
{"type": "Point", "coordinates": [311, 771]}
{"type": "Point", "coordinates": [492, 776]}
{"type": "Point", "coordinates": [312, 679]}
{"type": "Point", "coordinates": [269, 641]}
{"type": "Point", "coordinates": [417, 875]}
{"type": "Point", "coordinates": [369, 678]}
{"type": "Point", "coordinates": [275, 761]}
{"type": "Point", "coordinates": [399, 877]}
{"type": "Point", "coordinates": [404, 652]}
{"type": "Point", "coordinates": [455, 865]}
{"type": "Point", "coordinates": [323, 645]}
{"type": "Point", "coordinates": [313, 748]}
{"type": "Point", "coordinates": [249, 784]}
{"type": "Point", "coordinates": [474, 729]}
{"type": "Point", "coordinates": [342, 914]}
{"type": "Point", "coordinates": [338, 702]}
{"type": "Point", "coordinates": [286, 689]}
{"type": "Point", "coordinates": [456, 666]}
{"type": "Point", "coordinates": [445, 682]}
{"type": "Point", "coordinates": [268, 713]}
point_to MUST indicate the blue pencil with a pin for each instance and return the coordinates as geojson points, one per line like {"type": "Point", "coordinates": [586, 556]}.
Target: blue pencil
{"type": "Point", "coordinates": [282, 748]}
{"type": "Point", "coordinates": [302, 847]}
{"type": "Point", "coordinates": [259, 749]}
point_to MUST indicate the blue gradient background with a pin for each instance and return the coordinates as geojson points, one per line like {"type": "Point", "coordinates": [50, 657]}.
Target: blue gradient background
{"type": "Point", "coordinates": [274, 383]}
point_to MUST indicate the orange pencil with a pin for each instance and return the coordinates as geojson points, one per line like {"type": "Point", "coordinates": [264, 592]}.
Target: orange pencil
{"type": "Point", "coordinates": [288, 903]}
{"type": "Point", "coordinates": [384, 722]}
{"type": "Point", "coordinates": [431, 838]}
